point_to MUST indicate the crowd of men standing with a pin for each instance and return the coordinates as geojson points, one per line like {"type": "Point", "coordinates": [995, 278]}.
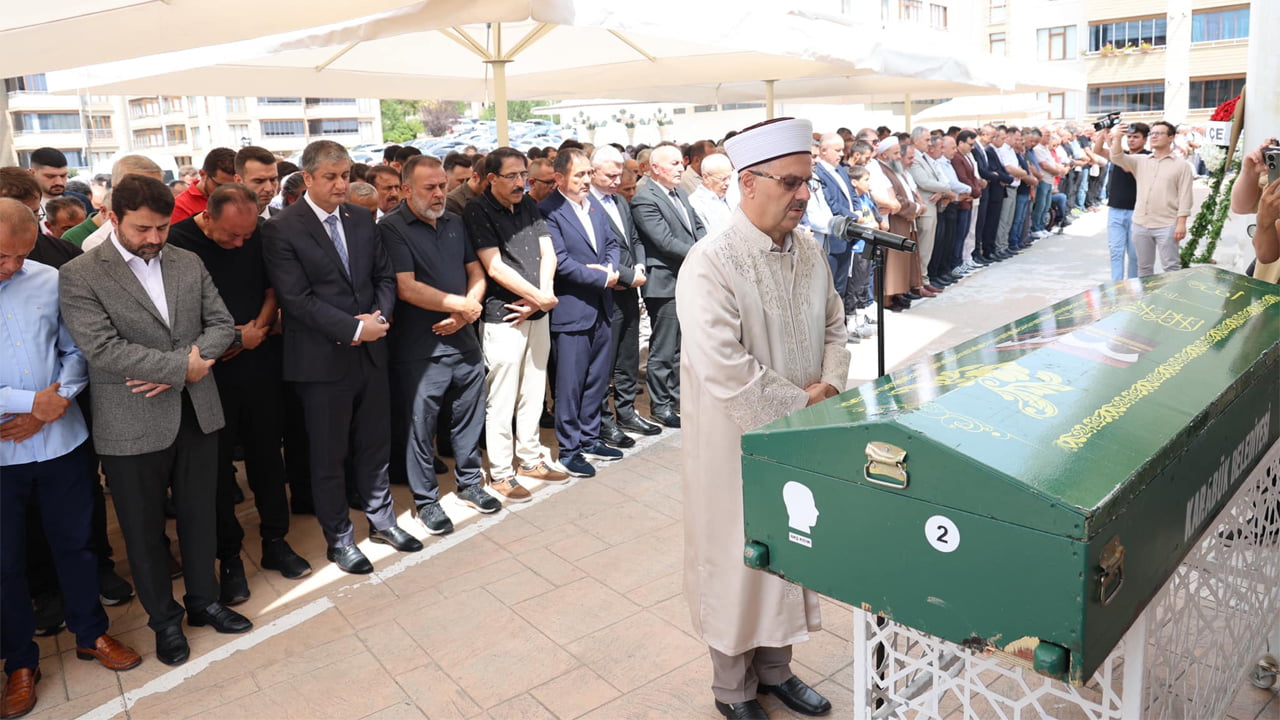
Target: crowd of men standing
{"type": "Point", "coordinates": [342, 327]}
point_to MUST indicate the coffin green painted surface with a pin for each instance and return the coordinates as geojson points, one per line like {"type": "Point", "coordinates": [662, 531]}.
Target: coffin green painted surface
{"type": "Point", "coordinates": [1105, 431]}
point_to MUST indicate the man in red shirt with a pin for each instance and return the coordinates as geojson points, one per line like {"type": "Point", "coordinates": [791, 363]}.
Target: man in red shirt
{"type": "Point", "coordinates": [219, 168]}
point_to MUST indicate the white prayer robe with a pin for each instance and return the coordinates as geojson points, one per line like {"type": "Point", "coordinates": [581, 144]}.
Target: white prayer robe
{"type": "Point", "coordinates": [758, 327]}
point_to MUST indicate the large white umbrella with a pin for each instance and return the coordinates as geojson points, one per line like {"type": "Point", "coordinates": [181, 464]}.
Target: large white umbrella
{"type": "Point", "coordinates": [667, 50]}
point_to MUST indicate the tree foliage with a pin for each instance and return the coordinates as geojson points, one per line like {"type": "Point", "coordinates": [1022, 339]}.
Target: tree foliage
{"type": "Point", "coordinates": [400, 120]}
{"type": "Point", "coordinates": [517, 110]}
{"type": "Point", "coordinates": [438, 116]}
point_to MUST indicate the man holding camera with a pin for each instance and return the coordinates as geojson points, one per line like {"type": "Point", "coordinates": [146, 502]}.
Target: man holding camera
{"type": "Point", "coordinates": [1163, 199]}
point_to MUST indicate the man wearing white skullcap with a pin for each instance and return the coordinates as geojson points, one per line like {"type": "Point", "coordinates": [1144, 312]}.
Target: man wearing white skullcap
{"type": "Point", "coordinates": [764, 336]}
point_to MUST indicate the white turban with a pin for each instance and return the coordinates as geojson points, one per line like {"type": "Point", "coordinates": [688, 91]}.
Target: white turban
{"type": "Point", "coordinates": [769, 140]}
{"type": "Point", "coordinates": [886, 144]}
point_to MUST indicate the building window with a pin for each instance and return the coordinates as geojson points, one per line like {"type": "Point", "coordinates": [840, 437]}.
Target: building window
{"type": "Point", "coordinates": [937, 16]}
{"type": "Point", "coordinates": [366, 130]}
{"type": "Point", "coordinates": [346, 126]}
{"type": "Point", "coordinates": [996, 44]}
{"type": "Point", "coordinates": [26, 83]}
{"type": "Point", "coordinates": [235, 105]}
{"type": "Point", "coordinates": [1143, 98]}
{"type": "Point", "coordinates": [171, 104]}
{"type": "Point", "coordinates": [100, 126]}
{"type": "Point", "coordinates": [45, 122]}
{"type": "Point", "coordinates": [181, 160]}
{"type": "Point", "coordinates": [1056, 43]}
{"type": "Point", "coordinates": [742, 106]}
{"type": "Point", "coordinates": [910, 10]}
{"type": "Point", "coordinates": [239, 131]}
{"type": "Point", "coordinates": [1126, 33]}
{"type": "Point", "coordinates": [704, 108]}
{"type": "Point", "coordinates": [148, 138]}
{"type": "Point", "coordinates": [99, 158]}
{"type": "Point", "coordinates": [279, 101]}
{"type": "Point", "coordinates": [144, 107]}
{"type": "Point", "coordinates": [996, 11]}
{"type": "Point", "coordinates": [175, 134]}
{"type": "Point", "coordinates": [331, 101]}
{"type": "Point", "coordinates": [1214, 25]}
{"type": "Point", "coordinates": [75, 158]}
{"type": "Point", "coordinates": [1057, 106]}
{"type": "Point", "coordinates": [282, 128]}
{"type": "Point", "coordinates": [1209, 94]}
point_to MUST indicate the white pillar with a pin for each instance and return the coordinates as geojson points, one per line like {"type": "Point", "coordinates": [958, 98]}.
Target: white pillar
{"type": "Point", "coordinates": [908, 113]}
{"type": "Point", "coordinates": [768, 100]}
{"type": "Point", "coordinates": [1262, 94]}
{"type": "Point", "coordinates": [1177, 62]}
{"type": "Point", "coordinates": [500, 98]}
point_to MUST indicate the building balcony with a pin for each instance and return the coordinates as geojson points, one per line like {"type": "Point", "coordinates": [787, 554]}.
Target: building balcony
{"type": "Point", "coordinates": [1125, 65]}
{"type": "Point", "coordinates": [30, 139]}
{"type": "Point", "coordinates": [22, 101]}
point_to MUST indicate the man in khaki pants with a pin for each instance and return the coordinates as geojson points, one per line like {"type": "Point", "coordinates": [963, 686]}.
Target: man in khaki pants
{"type": "Point", "coordinates": [1164, 197]}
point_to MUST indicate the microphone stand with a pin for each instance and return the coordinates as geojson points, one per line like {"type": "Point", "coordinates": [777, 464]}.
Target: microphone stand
{"type": "Point", "coordinates": [877, 258]}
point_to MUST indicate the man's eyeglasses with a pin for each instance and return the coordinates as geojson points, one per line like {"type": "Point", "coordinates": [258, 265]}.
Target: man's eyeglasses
{"type": "Point", "coordinates": [790, 183]}
{"type": "Point", "coordinates": [512, 176]}
{"type": "Point", "coordinates": [544, 182]}
{"type": "Point", "coordinates": [1154, 133]}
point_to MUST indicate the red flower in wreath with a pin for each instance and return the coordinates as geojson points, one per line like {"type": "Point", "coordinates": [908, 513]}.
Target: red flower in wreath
{"type": "Point", "coordinates": [1226, 110]}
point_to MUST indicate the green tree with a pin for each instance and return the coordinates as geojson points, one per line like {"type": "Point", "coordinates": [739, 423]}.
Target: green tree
{"type": "Point", "coordinates": [517, 110]}
{"type": "Point", "coordinates": [438, 116]}
{"type": "Point", "coordinates": [400, 120]}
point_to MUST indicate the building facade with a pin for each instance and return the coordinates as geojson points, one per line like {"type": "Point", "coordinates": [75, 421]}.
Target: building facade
{"type": "Point", "coordinates": [175, 130]}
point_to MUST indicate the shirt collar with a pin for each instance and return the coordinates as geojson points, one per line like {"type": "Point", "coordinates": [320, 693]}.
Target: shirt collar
{"type": "Point", "coordinates": [319, 211]}
{"type": "Point", "coordinates": [601, 196]}
{"type": "Point", "coordinates": [584, 206]}
{"type": "Point", "coordinates": [130, 257]}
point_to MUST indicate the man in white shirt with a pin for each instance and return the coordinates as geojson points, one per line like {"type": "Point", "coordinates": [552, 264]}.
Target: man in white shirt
{"type": "Point", "coordinates": [1009, 195]}
{"type": "Point", "coordinates": [708, 199]}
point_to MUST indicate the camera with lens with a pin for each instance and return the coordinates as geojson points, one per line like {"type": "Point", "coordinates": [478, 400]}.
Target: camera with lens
{"type": "Point", "coordinates": [1271, 158]}
{"type": "Point", "coordinates": [1106, 122]}
{"type": "Point", "coordinates": [848, 229]}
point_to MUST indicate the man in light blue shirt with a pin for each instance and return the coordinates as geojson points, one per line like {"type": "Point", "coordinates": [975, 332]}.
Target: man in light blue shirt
{"type": "Point", "coordinates": [44, 455]}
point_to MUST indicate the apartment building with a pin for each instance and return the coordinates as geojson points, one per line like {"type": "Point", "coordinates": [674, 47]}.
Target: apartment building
{"type": "Point", "coordinates": [175, 130]}
{"type": "Point", "coordinates": [1151, 59]}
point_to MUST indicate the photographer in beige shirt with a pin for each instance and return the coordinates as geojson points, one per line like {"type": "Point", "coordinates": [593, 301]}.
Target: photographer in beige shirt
{"type": "Point", "coordinates": [1164, 197]}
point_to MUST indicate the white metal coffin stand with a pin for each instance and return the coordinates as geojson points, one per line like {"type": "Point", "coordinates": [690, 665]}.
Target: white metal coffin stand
{"type": "Point", "coordinates": [1213, 626]}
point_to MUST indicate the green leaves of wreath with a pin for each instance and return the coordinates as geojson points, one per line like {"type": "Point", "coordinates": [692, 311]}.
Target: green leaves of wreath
{"type": "Point", "coordinates": [1212, 216]}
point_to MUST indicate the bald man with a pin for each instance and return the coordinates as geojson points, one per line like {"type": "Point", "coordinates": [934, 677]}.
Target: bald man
{"type": "Point", "coordinates": [709, 199]}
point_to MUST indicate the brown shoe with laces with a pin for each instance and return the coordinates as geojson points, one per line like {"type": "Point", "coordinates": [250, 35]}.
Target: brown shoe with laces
{"type": "Point", "coordinates": [543, 472]}
{"type": "Point", "coordinates": [511, 489]}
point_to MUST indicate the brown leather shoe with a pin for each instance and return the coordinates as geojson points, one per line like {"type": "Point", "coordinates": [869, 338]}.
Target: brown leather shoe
{"type": "Point", "coordinates": [933, 289]}
{"type": "Point", "coordinates": [924, 292]}
{"type": "Point", "coordinates": [19, 693]}
{"type": "Point", "coordinates": [111, 653]}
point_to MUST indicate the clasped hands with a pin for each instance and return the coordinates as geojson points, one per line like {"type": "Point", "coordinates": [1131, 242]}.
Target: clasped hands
{"type": "Point", "coordinates": [47, 407]}
{"type": "Point", "coordinates": [197, 369]}
{"type": "Point", "coordinates": [524, 308]}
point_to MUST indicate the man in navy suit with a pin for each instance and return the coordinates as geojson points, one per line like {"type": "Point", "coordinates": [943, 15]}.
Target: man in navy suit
{"type": "Point", "coordinates": [337, 288]}
{"type": "Point", "coordinates": [837, 191]}
{"type": "Point", "coordinates": [998, 182]}
{"type": "Point", "coordinates": [586, 273]}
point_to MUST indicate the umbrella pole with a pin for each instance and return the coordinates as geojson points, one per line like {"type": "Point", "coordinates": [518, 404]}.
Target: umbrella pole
{"type": "Point", "coordinates": [768, 99]}
{"type": "Point", "coordinates": [908, 128]}
{"type": "Point", "coordinates": [500, 99]}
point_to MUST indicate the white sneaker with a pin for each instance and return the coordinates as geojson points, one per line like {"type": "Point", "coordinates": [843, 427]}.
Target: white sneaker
{"type": "Point", "coordinates": [1039, 234]}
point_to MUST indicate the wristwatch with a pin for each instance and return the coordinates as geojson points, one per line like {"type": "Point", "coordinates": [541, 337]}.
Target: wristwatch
{"type": "Point", "coordinates": [238, 342]}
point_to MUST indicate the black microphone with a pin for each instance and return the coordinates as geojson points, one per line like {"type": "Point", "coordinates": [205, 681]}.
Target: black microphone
{"type": "Point", "coordinates": [848, 229]}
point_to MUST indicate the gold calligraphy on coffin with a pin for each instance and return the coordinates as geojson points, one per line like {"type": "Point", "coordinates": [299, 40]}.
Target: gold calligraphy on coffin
{"type": "Point", "coordinates": [1120, 404]}
{"type": "Point", "coordinates": [1009, 380]}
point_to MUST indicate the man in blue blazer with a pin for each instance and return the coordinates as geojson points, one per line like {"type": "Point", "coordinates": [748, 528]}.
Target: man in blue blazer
{"type": "Point", "coordinates": [586, 272]}
{"type": "Point", "coordinates": [838, 192]}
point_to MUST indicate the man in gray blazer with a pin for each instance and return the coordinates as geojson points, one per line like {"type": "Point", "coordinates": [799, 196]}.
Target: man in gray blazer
{"type": "Point", "coordinates": [150, 323]}
{"type": "Point", "coordinates": [668, 228]}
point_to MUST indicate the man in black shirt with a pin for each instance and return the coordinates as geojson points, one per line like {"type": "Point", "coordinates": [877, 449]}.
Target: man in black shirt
{"type": "Point", "coordinates": [225, 237]}
{"type": "Point", "coordinates": [514, 246]}
{"type": "Point", "coordinates": [435, 353]}
{"type": "Point", "coordinates": [1122, 195]}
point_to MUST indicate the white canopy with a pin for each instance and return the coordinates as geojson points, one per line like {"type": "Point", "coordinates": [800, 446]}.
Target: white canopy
{"type": "Point", "coordinates": [980, 109]}
{"type": "Point", "coordinates": [712, 51]}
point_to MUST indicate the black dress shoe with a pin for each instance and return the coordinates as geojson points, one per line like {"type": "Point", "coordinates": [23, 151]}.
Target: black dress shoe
{"type": "Point", "coordinates": [350, 559]}
{"type": "Point", "coordinates": [636, 424]}
{"type": "Point", "coordinates": [234, 586]}
{"type": "Point", "coordinates": [666, 417]}
{"type": "Point", "coordinates": [749, 710]}
{"type": "Point", "coordinates": [798, 696]}
{"type": "Point", "coordinates": [171, 645]}
{"type": "Point", "coordinates": [396, 537]}
{"type": "Point", "coordinates": [222, 618]}
{"type": "Point", "coordinates": [912, 295]}
{"type": "Point", "coordinates": [277, 555]}
{"type": "Point", "coordinates": [613, 437]}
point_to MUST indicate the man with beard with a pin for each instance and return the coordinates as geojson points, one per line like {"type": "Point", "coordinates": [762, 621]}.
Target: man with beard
{"type": "Point", "coordinates": [49, 166]}
{"type": "Point", "coordinates": [386, 181]}
{"type": "Point", "coordinates": [151, 324]}
{"type": "Point", "coordinates": [435, 352]}
{"type": "Point", "coordinates": [759, 353]}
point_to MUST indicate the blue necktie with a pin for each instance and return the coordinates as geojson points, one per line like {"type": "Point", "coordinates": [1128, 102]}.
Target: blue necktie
{"type": "Point", "coordinates": [331, 223]}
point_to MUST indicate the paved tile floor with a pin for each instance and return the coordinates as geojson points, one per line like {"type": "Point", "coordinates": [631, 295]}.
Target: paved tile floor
{"type": "Point", "coordinates": [567, 607]}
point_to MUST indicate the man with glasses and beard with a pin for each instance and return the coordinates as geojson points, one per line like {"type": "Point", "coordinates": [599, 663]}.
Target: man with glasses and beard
{"type": "Point", "coordinates": [435, 351]}
{"type": "Point", "coordinates": [759, 353]}
{"type": "Point", "coordinates": [1163, 199]}
{"type": "Point", "coordinates": [515, 248]}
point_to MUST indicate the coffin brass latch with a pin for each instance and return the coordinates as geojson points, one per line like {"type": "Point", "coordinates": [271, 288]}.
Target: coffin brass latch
{"type": "Point", "coordinates": [1112, 566]}
{"type": "Point", "coordinates": [888, 462]}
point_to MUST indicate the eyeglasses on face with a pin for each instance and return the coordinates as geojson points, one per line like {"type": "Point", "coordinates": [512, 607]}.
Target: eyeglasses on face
{"type": "Point", "coordinates": [790, 183]}
{"type": "Point", "coordinates": [512, 176]}
{"type": "Point", "coordinates": [544, 182]}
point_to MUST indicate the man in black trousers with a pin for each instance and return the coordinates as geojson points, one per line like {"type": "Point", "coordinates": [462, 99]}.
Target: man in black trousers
{"type": "Point", "coordinates": [335, 284]}
{"type": "Point", "coordinates": [435, 350]}
{"type": "Point", "coordinates": [668, 227]}
{"type": "Point", "coordinates": [625, 347]}
{"type": "Point", "coordinates": [225, 236]}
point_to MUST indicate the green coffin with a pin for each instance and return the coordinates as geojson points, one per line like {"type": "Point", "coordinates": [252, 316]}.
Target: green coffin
{"type": "Point", "coordinates": [1029, 491]}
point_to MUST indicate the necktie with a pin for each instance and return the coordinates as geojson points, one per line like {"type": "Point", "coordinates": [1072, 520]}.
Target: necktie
{"type": "Point", "coordinates": [331, 223]}
{"type": "Point", "coordinates": [675, 198]}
